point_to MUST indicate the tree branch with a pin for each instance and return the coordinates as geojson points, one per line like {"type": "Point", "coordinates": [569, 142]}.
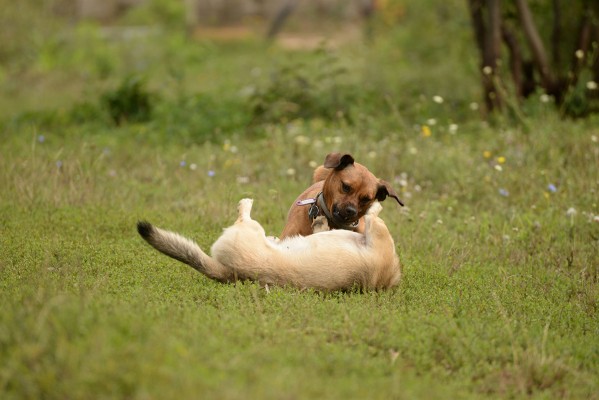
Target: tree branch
{"type": "Point", "coordinates": [515, 59]}
{"type": "Point", "coordinates": [536, 45]}
{"type": "Point", "coordinates": [280, 18]}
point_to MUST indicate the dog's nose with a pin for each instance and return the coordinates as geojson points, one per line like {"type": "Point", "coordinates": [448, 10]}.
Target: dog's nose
{"type": "Point", "coordinates": [349, 212]}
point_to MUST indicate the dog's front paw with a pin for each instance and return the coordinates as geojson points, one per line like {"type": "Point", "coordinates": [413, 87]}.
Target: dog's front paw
{"type": "Point", "coordinates": [244, 208]}
{"type": "Point", "coordinates": [320, 224]}
{"type": "Point", "coordinates": [245, 205]}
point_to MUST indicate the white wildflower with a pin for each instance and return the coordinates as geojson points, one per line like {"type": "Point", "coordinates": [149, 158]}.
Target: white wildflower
{"type": "Point", "coordinates": [301, 139]}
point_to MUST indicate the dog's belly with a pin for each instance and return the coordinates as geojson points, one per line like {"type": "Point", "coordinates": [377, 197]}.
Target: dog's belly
{"type": "Point", "coordinates": [329, 241]}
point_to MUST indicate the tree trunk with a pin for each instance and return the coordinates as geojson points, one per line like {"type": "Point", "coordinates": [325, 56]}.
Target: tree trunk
{"type": "Point", "coordinates": [492, 53]}
{"type": "Point", "coordinates": [556, 33]}
{"type": "Point", "coordinates": [488, 40]}
{"type": "Point", "coordinates": [515, 60]}
{"type": "Point", "coordinates": [536, 46]}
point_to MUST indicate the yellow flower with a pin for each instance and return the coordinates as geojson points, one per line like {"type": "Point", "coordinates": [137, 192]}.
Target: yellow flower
{"type": "Point", "coordinates": [426, 131]}
{"type": "Point", "coordinates": [501, 160]}
{"type": "Point", "coordinates": [486, 154]}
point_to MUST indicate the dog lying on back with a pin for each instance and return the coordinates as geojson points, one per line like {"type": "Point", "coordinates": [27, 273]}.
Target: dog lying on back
{"type": "Point", "coordinates": [327, 260]}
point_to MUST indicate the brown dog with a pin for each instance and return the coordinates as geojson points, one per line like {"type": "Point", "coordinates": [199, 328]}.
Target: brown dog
{"type": "Point", "coordinates": [342, 191]}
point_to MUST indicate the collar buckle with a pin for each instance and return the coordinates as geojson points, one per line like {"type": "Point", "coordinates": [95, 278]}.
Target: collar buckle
{"type": "Point", "coordinates": [313, 211]}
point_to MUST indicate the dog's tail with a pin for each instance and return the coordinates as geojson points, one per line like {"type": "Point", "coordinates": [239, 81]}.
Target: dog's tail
{"type": "Point", "coordinates": [182, 249]}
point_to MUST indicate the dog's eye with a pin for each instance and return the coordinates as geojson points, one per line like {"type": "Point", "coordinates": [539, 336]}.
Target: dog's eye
{"type": "Point", "coordinates": [346, 188]}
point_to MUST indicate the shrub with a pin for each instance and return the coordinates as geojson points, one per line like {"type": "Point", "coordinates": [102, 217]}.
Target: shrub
{"type": "Point", "coordinates": [319, 88]}
{"type": "Point", "coordinates": [130, 102]}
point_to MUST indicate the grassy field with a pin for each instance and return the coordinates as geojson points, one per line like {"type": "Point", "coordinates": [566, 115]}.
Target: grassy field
{"type": "Point", "coordinates": [499, 239]}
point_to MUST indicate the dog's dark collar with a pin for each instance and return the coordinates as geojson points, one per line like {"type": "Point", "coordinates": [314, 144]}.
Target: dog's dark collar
{"type": "Point", "coordinates": [319, 207]}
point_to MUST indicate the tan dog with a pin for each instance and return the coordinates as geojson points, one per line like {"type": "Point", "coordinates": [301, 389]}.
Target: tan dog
{"type": "Point", "coordinates": [342, 191]}
{"type": "Point", "coordinates": [330, 260]}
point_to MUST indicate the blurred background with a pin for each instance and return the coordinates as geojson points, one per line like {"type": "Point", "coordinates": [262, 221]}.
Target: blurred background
{"type": "Point", "coordinates": [234, 64]}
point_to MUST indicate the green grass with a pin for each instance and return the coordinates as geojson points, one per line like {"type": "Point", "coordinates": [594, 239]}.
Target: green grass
{"type": "Point", "coordinates": [89, 308]}
{"type": "Point", "coordinates": [500, 293]}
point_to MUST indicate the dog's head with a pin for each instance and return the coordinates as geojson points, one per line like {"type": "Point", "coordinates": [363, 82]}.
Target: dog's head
{"type": "Point", "coordinates": [350, 188]}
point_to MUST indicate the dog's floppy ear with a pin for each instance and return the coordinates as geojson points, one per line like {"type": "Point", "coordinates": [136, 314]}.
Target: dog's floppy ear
{"type": "Point", "coordinates": [385, 190]}
{"type": "Point", "coordinates": [338, 161]}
